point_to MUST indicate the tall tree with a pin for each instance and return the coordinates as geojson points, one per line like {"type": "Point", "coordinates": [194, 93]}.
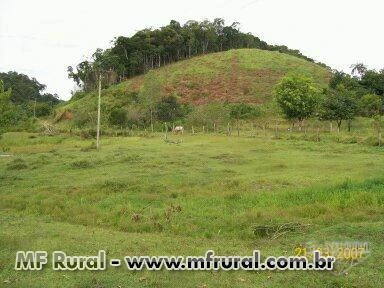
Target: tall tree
{"type": "Point", "coordinates": [297, 97]}
{"type": "Point", "coordinates": [359, 69]}
{"type": "Point", "coordinates": [150, 94]}
{"type": "Point", "coordinates": [371, 105]}
{"type": "Point", "coordinates": [340, 104]}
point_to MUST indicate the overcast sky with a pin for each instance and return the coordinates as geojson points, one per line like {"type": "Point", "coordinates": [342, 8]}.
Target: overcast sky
{"type": "Point", "coordinates": [42, 38]}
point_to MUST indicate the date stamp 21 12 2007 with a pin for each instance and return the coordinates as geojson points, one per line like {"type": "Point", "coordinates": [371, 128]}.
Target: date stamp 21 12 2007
{"type": "Point", "coordinates": [347, 253]}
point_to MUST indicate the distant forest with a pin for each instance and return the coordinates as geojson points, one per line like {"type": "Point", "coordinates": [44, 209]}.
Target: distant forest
{"type": "Point", "coordinates": [151, 48]}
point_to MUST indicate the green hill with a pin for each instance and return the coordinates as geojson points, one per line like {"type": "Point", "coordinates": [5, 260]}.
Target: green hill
{"type": "Point", "coordinates": [235, 76]}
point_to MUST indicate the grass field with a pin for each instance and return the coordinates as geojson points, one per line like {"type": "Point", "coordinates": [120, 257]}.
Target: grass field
{"type": "Point", "coordinates": [207, 192]}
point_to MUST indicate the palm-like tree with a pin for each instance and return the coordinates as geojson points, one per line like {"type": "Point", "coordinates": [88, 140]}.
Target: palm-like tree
{"type": "Point", "coordinates": [359, 69]}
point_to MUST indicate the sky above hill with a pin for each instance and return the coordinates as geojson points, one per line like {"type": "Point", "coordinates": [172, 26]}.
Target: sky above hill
{"type": "Point", "coordinates": [42, 38]}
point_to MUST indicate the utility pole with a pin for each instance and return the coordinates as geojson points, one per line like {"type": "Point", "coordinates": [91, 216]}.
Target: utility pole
{"type": "Point", "coordinates": [98, 115]}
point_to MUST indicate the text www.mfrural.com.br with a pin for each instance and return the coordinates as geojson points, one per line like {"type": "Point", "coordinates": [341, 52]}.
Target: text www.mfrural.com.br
{"type": "Point", "coordinates": [35, 260]}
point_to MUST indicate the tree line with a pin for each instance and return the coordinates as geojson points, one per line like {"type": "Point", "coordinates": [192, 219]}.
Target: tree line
{"type": "Point", "coordinates": [150, 48]}
{"type": "Point", "coordinates": [348, 96]}
{"type": "Point", "coordinates": [22, 99]}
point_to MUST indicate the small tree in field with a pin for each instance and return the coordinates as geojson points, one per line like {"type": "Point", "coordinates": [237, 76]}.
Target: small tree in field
{"type": "Point", "coordinates": [340, 104]}
{"type": "Point", "coordinates": [150, 94]}
{"type": "Point", "coordinates": [297, 97]}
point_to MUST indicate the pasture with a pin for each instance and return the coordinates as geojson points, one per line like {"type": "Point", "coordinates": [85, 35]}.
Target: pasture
{"type": "Point", "coordinates": [145, 196]}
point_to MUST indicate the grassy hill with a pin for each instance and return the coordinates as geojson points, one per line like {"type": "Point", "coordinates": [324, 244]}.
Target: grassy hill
{"type": "Point", "coordinates": [244, 75]}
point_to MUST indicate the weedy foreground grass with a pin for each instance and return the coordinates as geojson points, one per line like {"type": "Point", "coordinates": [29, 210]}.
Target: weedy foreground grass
{"type": "Point", "coordinates": [143, 196]}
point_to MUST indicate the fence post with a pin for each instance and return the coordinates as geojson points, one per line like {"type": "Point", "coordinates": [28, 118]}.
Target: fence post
{"type": "Point", "coordinates": [166, 130]}
{"type": "Point", "coordinates": [193, 131]}
{"type": "Point", "coordinates": [276, 131]}
{"type": "Point", "coordinates": [318, 135]}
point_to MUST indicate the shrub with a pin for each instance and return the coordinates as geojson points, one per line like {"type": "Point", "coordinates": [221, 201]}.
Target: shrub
{"type": "Point", "coordinates": [210, 114]}
{"type": "Point", "coordinates": [244, 111]}
{"type": "Point", "coordinates": [169, 109]}
{"type": "Point", "coordinates": [118, 117]}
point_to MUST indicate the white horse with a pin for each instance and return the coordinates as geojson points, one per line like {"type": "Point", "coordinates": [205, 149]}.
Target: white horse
{"type": "Point", "coordinates": [178, 129]}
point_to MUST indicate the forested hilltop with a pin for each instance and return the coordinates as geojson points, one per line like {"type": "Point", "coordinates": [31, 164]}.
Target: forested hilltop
{"type": "Point", "coordinates": [22, 99]}
{"type": "Point", "coordinates": [151, 48]}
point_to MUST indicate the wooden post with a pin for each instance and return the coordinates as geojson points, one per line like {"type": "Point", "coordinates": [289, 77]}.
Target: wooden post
{"type": "Point", "coordinates": [166, 131]}
{"type": "Point", "coordinates": [252, 130]}
{"type": "Point", "coordinates": [193, 131]}
{"type": "Point", "coordinates": [318, 135]}
{"type": "Point", "coordinates": [331, 128]}
{"type": "Point", "coordinates": [203, 129]}
{"type": "Point", "coordinates": [214, 127]}
{"type": "Point", "coordinates": [276, 131]}
{"type": "Point", "coordinates": [349, 125]}
{"type": "Point", "coordinates": [98, 115]}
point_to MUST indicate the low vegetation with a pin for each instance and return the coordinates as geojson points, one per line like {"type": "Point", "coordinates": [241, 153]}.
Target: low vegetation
{"type": "Point", "coordinates": [210, 191]}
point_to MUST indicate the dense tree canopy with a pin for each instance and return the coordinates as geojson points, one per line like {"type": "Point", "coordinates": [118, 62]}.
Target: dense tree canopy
{"type": "Point", "coordinates": [340, 104]}
{"type": "Point", "coordinates": [10, 114]}
{"type": "Point", "coordinates": [370, 105]}
{"type": "Point", "coordinates": [297, 97]}
{"type": "Point", "coordinates": [27, 94]}
{"type": "Point", "coordinates": [367, 86]}
{"type": "Point", "coordinates": [151, 48]}
{"type": "Point", "coordinates": [25, 89]}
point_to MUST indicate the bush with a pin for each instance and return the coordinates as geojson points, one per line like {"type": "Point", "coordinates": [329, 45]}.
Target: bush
{"type": "Point", "coordinates": [208, 115]}
{"type": "Point", "coordinates": [244, 111]}
{"type": "Point", "coordinates": [43, 109]}
{"type": "Point", "coordinates": [169, 109]}
{"type": "Point", "coordinates": [81, 120]}
{"type": "Point", "coordinates": [370, 105]}
{"type": "Point", "coordinates": [118, 117]}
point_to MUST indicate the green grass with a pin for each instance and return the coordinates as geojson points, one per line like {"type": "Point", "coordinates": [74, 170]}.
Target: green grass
{"type": "Point", "coordinates": [208, 192]}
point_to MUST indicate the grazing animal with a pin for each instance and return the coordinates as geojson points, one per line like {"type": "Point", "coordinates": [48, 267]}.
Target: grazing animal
{"type": "Point", "coordinates": [178, 129]}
